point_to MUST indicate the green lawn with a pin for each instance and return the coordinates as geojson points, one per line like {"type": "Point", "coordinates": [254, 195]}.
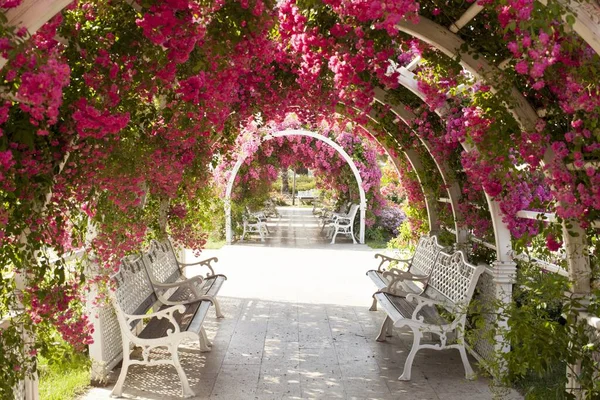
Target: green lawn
{"type": "Point", "coordinates": [214, 244]}
{"type": "Point", "coordinates": [63, 381]}
{"type": "Point", "coordinates": [376, 244]}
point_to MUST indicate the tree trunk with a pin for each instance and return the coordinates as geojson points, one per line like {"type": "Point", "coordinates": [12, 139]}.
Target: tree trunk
{"type": "Point", "coordinates": [285, 184]}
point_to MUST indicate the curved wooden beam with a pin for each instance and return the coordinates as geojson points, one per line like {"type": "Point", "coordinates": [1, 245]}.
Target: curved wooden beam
{"type": "Point", "coordinates": [453, 188]}
{"type": "Point", "coordinates": [32, 14]}
{"type": "Point", "coordinates": [449, 43]}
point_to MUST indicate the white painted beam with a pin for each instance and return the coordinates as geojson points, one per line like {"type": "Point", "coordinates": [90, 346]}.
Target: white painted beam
{"type": "Point", "coordinates": [32, 14]}
{"type": "Point", "coordinates": [450, 44]}
{"type": "Point", "coordinates": [536, 215]}
{"type": "Point", "coordinates": [466, 17]}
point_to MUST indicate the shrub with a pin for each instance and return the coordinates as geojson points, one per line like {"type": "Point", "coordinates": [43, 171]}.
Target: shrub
{"type": "Point", "coordinates": [391, 218]}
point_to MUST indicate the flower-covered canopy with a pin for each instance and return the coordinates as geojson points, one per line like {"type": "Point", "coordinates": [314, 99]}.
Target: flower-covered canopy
{"type": "Point", "coordinates": [114, 115]}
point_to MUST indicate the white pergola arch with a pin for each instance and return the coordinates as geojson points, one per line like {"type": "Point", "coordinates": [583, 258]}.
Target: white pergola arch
{"type": "Point", "coordinates": [32, 14]}
{"type": "Point", "coordinates": [305, 133]}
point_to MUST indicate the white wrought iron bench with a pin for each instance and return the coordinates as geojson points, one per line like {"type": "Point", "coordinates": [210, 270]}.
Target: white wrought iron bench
{"type": "Point", "coordinates": [330, 215]}
{"type": "Point", "coordinates": [450, 286]}
{"type": "Point", "coordinates": [167, 273]}
{"type": "Point", "coordinates": [343, 225]}
{"type": "Point", "coordinates": [168, 320]}
{"type": "Point", "coordinates": [309, 195]}
{"type": "Point", "coordinates": [418, 267]}
{"type": "Point", "coordinates": [253, 224]}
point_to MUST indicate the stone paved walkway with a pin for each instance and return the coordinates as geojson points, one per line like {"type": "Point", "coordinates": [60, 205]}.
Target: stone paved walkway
{"type": "Point", "coordinates": [297, 326]}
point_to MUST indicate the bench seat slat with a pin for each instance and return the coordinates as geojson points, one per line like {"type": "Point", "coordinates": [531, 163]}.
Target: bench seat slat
{"type": "Point", "coordinates": [377, 278]}
{"type": "Point", "coordinates": [399, 308]}
{"type": "Point", "coordinates": [196, 322]}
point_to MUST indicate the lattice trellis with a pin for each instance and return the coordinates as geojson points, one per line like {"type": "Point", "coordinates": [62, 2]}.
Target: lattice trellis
{"type": "Point", "coordinates": [485, 297]}
{"type": "Point", "coordinates": [112, 347]}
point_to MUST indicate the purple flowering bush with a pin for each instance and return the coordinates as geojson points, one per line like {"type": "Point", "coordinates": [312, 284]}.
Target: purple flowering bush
{"type": "Point", "coordinates": [391, 218]}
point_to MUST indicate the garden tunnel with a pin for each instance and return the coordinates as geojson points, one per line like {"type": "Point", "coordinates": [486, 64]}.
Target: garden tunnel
{"type": "Point", "coordinates": [289, 133]}
{"type": "Point", "coordinates": [445, 40]}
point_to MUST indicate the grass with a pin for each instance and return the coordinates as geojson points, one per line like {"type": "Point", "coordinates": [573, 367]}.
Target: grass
{"type": "Point", "coordinates": [376, 243]}
{"type": "Point", "coordinates": [214, 244]}
{"type": "Point", "coordinates": [64, 381]}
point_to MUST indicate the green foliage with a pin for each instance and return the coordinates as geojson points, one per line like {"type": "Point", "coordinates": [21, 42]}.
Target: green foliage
{"type": "Point", "coordinates": [377, 237]}
{"type": "Point", "coordinates": [545, 335]}
{"type": "Point", "coordinates": [303, 182]}
{"type": "Point", "coordinates": [64, 380]}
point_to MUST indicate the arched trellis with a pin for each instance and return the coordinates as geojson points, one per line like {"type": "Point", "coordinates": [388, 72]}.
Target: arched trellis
{"type": "Point", "coordinates": [305, 133]}
{"type": "Point", "coordinates": [34, 13]}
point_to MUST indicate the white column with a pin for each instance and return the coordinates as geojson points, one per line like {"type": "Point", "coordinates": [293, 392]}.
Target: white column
{"type": "Point", "coordinates": [363, 214]}
{"type": "Point", "coordinates": [228, 231]}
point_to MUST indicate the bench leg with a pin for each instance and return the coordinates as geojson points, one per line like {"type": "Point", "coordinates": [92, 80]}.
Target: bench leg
{"type": "Point", "coordinates": [469, 374]}
{"type": "Point", "coordinates": [204, 342]}
{"type": "Point", "coordinates": [374, 305]}
{"type": "Point", "coordinates": [333, 236]}
{"type": "Point", "coordinates": [384, 329]}
{"type": "Point", "coordinates": [186, 391]}
{"type": "Point", "coordinates": [118, 389]}
{"type": "Point", "coordinates": [411, 356]}
{"type": "Point", "coordinates": [218, 312]}
{"type": "Point", "coordinates": [390, 330]}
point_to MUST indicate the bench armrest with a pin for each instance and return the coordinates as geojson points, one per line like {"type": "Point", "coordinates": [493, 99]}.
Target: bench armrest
{"type": "Point", "coordinates": [192, 283]}
{"type": "Point", "coordinates": [422, 302]}
{"type": "Point", "coordinates": [342, 220]}
{"type": "Point", "coordinates": [191, 300]}
{"type": "Point", "coordinates": [166, 313]}
{"type": "Point", "coordinates": [385, 259]}
{"type": "Point", "coordinates": [204, 263]}
{"type": "Point", "coordinates": [396, 277]}
{"type": "Point", "coordinates": [396, 274]}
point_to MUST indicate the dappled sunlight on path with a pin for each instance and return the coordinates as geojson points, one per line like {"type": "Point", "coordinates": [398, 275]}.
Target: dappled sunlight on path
{"type": "Point", "coordinates": [297, 326]}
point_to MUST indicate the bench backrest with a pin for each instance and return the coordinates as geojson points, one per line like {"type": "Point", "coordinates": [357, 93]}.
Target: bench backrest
{"type": "Point", "coordinates": [133, 289]}
{"type": "Point", "coordinates": [426, 254]}
{"type": "Point", "coordinates": [162, 262]}
{"type": "Point", "coordinates": [453, 278]}
{"type": "Point", "coordinates": [352, 212]}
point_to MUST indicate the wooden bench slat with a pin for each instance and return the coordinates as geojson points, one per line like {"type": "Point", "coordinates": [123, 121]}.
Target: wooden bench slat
{"type": "Point", "coordinates": [378, 279]}
{"type": "Point", "coordinates": [399, 308]}
{"type": "Point", "coordinates": [196, 322]}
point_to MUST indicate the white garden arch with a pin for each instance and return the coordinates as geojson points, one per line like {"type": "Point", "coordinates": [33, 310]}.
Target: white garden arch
{"type": "Point", "coordinates": [306, 133]}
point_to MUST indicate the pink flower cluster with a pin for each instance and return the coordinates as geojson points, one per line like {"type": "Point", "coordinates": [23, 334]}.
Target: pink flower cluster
{"type": "Point", "coordinates": [61, 305]}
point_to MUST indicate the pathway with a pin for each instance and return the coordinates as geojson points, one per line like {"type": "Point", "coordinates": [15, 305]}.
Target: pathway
{"type": "Point", "coordinates": [297, 326]}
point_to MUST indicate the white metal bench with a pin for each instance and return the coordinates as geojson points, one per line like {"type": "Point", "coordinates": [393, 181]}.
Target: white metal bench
{"type": "Point", "coordinates": [169, 320]}
{"type": "Point", "coordinates": [450, 286]}
{"type": "Point", "coordinates": [343, 225]}
{"type": "Point", "coordinates": [253, 224]}
{"type": "Point", "coordinates": [418, 268]}
{"type": "Point", "coordinates": [330, 215]}
{"type": "Point", "coordinates": [167, 273]}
